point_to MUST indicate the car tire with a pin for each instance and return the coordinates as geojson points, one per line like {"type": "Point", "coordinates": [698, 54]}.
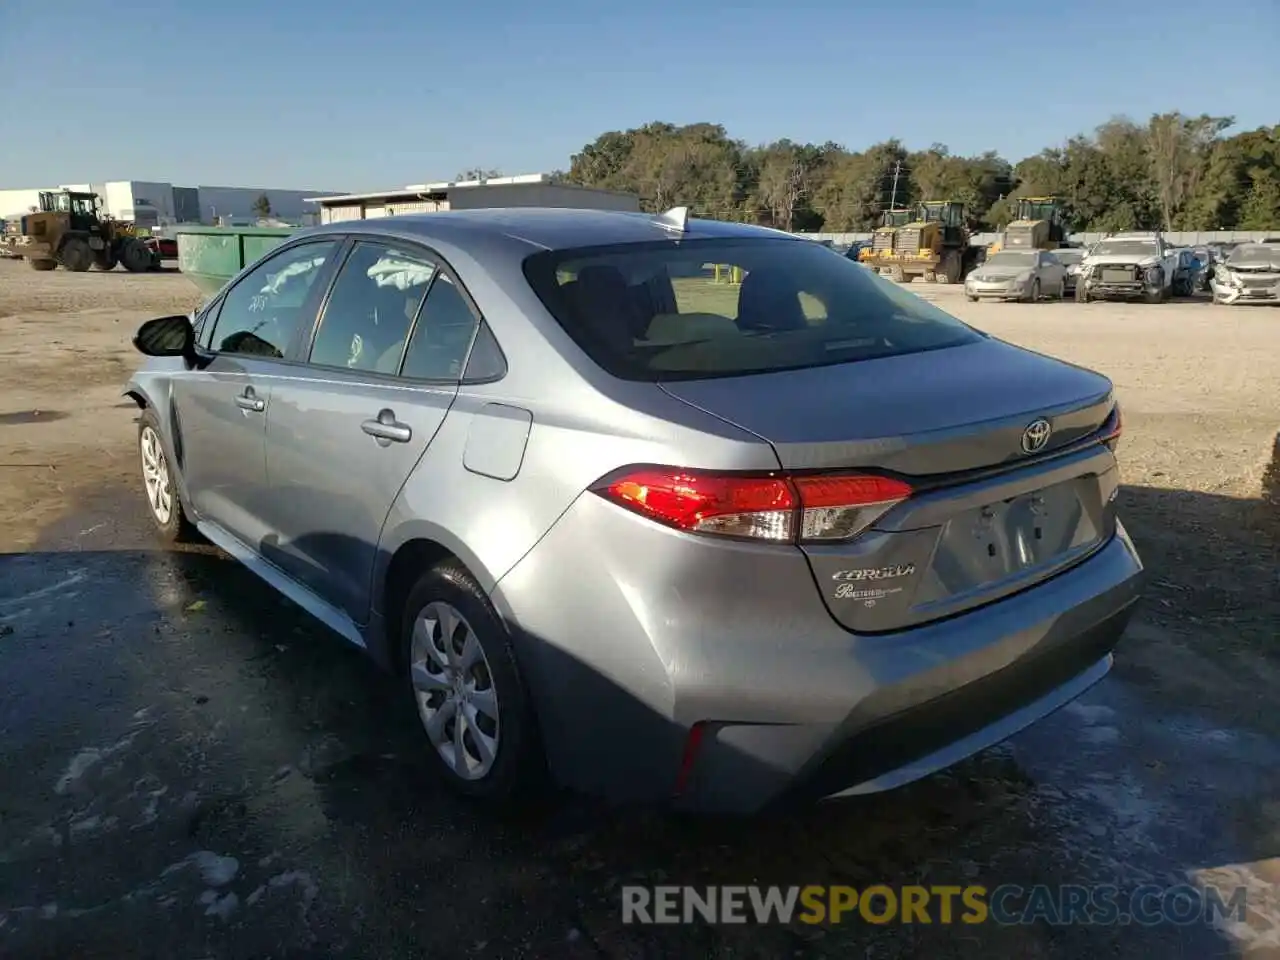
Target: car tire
{"type": "Point", "coordinates": [159, 484]}
{"type": "Point", "coordinates": [1034, 295]}
{"type": "Point", "coordinates": [459, 660]}
{"type": "Point", "coordinates": [971, 298]}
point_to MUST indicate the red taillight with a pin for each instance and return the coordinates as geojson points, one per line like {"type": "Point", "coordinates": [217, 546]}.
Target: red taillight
{"type": "Point", "coordinates": [775, 507]}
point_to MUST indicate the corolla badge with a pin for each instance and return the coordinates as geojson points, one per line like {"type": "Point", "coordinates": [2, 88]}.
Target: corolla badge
{"type": "Point", "coordinates": [875, 573]}
{"type": "Point", "coordinates": [1036, 435]}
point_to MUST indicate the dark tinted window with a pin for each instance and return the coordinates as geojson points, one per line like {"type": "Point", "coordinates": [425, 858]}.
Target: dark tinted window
{"type": "Point", "coordinates": [442, 334]}
{"type": "Point", "coordinates": [486, 361]}
{"type": "Point", "coordinates": [260, 315]}
{"type": "Point", "coordinates": [373, 302]}
{"type": "Point", "coordinates": [706, 308]}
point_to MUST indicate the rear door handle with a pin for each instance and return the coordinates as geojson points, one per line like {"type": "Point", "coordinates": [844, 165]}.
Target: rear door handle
{"type": "Point", "coordinates": [250, 401]}
{"type": "Point", "coordinates": [387, 429]}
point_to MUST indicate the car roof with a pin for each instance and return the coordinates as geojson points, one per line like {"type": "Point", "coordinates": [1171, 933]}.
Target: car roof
{"type": "Point", "coordinates": [544, 228]}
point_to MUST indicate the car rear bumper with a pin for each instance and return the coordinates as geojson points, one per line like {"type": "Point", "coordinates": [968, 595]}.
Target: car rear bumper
{"type": "Point", "coordinates": [629, 646]}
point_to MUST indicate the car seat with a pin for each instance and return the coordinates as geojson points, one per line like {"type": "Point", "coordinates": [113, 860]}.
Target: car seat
{"type": "Point", "coordinates": [768, 302]}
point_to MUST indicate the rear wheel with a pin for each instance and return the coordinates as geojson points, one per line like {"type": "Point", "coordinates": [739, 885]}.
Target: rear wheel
{"type": "Point", "coordinates": [135, 256]}
{"type": "Point", "coordinates": [43, 265]}
{"type": "Point", "coordinates": [463, 676]}
{"type": "Point", "coordinates": [76, 255]}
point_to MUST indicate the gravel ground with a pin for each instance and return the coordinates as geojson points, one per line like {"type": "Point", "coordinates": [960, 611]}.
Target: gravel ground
{"type": "Point", "coordinates": [1202, 498]}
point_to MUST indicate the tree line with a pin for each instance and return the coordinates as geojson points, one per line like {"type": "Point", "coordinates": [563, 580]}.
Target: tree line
{"type": "Point", "coordinates": [1174, 172]}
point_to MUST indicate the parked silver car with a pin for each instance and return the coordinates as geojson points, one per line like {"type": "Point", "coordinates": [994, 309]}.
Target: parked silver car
{"type": "Point", "coordinates": [1018, 275]}
{"type": "Point", "coordinates": [616, 518]}
{"type": "Point", "coordinates": [1250, 274]}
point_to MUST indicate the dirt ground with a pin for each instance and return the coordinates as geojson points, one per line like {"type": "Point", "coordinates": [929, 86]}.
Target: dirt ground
{"type": "Point", "coordinates": [1200, 459]}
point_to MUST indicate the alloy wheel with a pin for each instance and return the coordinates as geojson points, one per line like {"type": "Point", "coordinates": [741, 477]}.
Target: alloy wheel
{"type": "Point", "coordinates": [155, 475]}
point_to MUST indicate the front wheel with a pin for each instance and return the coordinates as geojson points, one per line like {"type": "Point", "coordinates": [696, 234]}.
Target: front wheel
{"type": "Point", "coordinates": [472, 701]}
{"type": "Point", "coordinates": [76, 255]}
{"type": "Point", "coordinates": [158, 482]}
{"type": "Point", "coordinates": [1034, 295]}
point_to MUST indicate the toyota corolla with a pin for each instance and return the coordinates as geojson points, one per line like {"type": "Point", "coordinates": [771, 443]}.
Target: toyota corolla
{"type": "Point", "coordinates": [665, 509]}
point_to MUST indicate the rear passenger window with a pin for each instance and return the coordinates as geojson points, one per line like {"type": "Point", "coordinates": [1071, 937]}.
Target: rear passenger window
{"type": "Point", "coordinates": [371, 308]}
{"type": "Point", "coordinates": [486, 361]}
{"type": "Point", "coordinates": [442, 336]}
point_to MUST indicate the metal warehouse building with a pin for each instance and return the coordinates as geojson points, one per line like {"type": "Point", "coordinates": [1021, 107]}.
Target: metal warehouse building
{"type": "Point", "coordinates": [150, 203]}
{"type": "Point", "coordinates": [529, 190]}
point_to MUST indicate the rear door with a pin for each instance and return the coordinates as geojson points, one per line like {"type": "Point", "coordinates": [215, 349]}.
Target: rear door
{"type": "Point", "coordinates": [346, 430]}
{"type": "Point", "coordinates": [221, 408]}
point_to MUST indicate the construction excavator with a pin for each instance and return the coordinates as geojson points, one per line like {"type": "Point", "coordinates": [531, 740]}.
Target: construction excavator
{"type": "Point", "coordinates": [1039, 223]}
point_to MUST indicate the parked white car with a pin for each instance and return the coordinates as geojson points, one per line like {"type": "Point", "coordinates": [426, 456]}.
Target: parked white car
{"type": "Point", "coordinates": [1127, 266]}
{"type": "Point", "coordinates": [1018, 275]}
{"type": "Point", "coordinates": [1251, 274]}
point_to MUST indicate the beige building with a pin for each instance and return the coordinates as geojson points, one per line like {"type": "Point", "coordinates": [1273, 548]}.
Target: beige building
{"type": "Point", "coordinates": [530, 190]}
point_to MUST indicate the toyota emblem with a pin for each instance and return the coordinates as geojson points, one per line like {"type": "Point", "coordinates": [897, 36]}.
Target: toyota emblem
{"type": "Point", "coordinates": [1036, 435]}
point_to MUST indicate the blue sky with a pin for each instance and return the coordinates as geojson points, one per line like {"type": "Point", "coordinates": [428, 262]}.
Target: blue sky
{"type": "Point", "coordinates": [349, 95]}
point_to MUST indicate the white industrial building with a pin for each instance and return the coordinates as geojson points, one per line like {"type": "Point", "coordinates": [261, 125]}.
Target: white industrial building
{"type": "Point", "coordinates": [529, 190]}
{"type": "Point", "coordinates": [151, 203]}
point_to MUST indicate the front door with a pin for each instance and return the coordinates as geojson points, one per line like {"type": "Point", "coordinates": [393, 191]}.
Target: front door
{"type": "Point", "coordinates": [344, 434]}
{"type": "Point", "coordinates": [221, 409]}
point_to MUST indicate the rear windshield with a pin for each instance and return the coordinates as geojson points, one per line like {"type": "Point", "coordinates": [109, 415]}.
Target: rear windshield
{"type": "Point", "coordinates": [696, 309]}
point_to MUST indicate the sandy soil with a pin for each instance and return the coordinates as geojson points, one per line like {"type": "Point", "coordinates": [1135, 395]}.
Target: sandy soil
{"type": "Point", "coordinates": [1197, 383]}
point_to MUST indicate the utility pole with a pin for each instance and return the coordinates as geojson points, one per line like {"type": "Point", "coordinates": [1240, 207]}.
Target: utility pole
{"type": "Point", "coordinates": [893, 197]}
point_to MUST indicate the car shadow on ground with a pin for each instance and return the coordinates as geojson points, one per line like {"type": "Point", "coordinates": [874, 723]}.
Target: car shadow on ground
{"type": "Point", "coordinates": [164, 703]}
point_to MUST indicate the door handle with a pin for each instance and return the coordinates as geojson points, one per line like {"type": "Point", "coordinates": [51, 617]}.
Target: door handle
{"type": "Point", "coordinates": [250, 401]}
{"type": "Point", "coordinates": [387, 429]}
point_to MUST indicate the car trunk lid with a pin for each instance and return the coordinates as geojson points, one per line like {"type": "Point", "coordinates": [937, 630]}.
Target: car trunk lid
{"type": "Point", "coordinates": [992, 512]}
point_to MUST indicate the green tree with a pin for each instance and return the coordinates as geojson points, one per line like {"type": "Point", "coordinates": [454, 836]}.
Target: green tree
{"type": "Point", "coordinates": [262, 206]}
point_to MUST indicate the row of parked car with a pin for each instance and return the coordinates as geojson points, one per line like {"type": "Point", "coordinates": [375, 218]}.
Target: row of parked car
{"type": "Point", "coordinates": [1128, 266]}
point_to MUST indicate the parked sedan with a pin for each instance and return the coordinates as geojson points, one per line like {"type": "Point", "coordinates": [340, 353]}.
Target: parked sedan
{"type": "Point", "coordinates": [1250, 274]}
{"type": "Point", "coordinates": [803, 536]}
{"type": "Point", "coordinates": [1018, 275]}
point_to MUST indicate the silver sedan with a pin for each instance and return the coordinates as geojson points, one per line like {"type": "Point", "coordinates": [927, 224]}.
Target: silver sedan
{"type": "Point", "coordinates": [1018, 275]}
{"type": "Point", "coordinates": [614, 516]}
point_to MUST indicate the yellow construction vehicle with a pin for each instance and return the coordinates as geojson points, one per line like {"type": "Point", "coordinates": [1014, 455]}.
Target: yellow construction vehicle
{"type": "Point", "coordinates": [69, 229]}
{"type": "Point", "coordinates": [1039, 223]}
{"type": "Point", "coordinates": [935, 245]}
{"type": "Point", "coordinates": [880, 253]}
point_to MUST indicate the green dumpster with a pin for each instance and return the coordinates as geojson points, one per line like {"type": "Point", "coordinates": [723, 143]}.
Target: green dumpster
{"type": "Point", "coordinates": [210, 256]}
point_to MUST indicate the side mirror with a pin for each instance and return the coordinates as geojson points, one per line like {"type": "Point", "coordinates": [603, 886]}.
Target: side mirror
{"type": "Point", "coordinates": [167, 337]}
